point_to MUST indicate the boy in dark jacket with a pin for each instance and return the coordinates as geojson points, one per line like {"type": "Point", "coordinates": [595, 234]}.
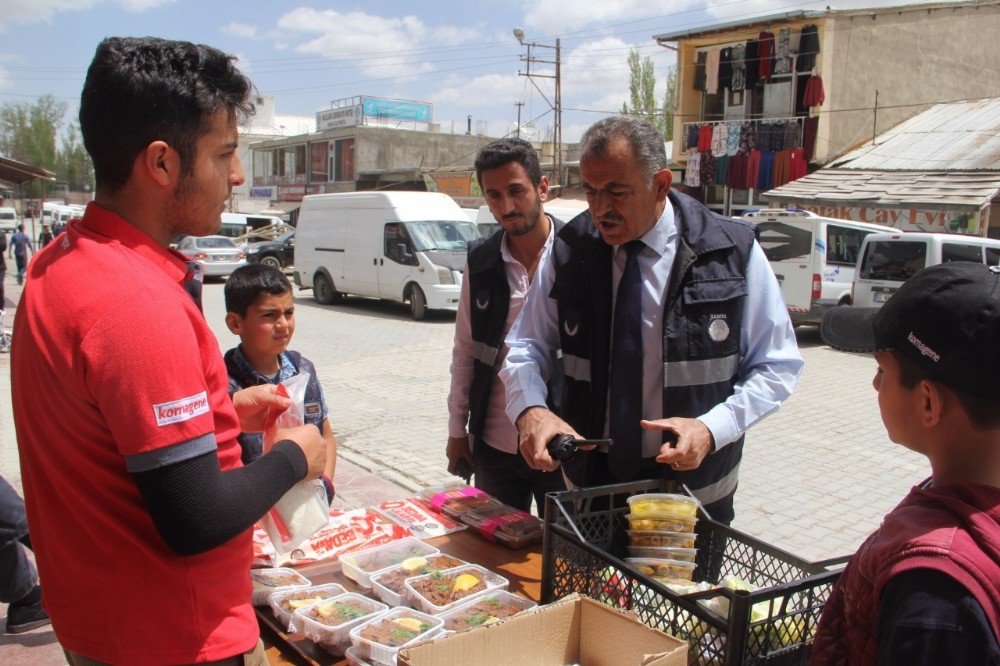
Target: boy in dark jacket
{"type": "Point", "coordinates": [259, 309]}
{"type": "Point", "coordinates": [925, 587]}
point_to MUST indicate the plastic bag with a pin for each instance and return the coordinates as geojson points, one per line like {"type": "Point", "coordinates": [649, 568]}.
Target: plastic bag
{"type": "Point", "coordinates": [303, 510]}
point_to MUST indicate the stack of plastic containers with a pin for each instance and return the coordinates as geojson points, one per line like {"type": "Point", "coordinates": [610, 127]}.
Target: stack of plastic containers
{"type": "Point", "coordinates": [661, 535]}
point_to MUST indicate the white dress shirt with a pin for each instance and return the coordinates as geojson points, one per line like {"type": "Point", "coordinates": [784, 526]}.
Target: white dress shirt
{"type": "Point", "coordinates": [769, 367]}
{"type": "Point", "coordinates": [498, 431]}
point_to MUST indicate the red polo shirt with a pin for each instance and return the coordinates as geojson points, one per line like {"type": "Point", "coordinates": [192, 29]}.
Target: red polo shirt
{"type": "Point", "coordinates": [115, 371]}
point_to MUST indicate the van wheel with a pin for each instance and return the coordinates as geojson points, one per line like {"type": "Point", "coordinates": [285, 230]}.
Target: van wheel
{"type": "Point", "coordinates": [323, 290]}
{"type": "Point", "coordinates": [418, 303]}
{"type": "Point", "coordinates": [271, 261]}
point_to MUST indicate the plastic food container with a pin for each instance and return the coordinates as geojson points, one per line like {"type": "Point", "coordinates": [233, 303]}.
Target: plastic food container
{"type": "Point", "coordinates": [278, 579]}
{"type": "Point", "coordinates": [353, 659]}
{"type": "Point", "coordinates": [663, 504]}
{"type": "Point", "coordinates": [361, 565]}
{"type": "Point", "coordinates": [660, 568]}
{"type": "Point", "coordinates": [454, 499]}
{"type": "Point", "coordinates": [381, 638]}
{"type": "Point", "coordinates": [284, 604]}
{"type": "Point", "coordinates": [680, 554]}
{"type": "Point", "coordinates": [504, 524]}
{"type": "Point", "coordinates": [662, 539]}
{"type": "Point", "coordinates": [443, 590]}
{"type": "Point", "coordinates": [328, 623]}
{"type": "Point", "coordinates": [660, 523]}
{"type": "Point", "coordinates": [484, 611]}
{"type": "Point", "coordinates": [389, 585]}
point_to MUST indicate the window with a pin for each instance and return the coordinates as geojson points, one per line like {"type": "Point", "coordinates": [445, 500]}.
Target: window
{"type": "Point", "coordinates": [893, 260]}
{"type": "Point", "coordinates": [843, 244]}
{"type": "Point", "coordinates": [992, 256]}
{"type": "Point", "coordinates": [957, 252]}
{"type": "Point", "coordinates": [317, 162]}
{"type": "Point", "coordinates": [397, 245]}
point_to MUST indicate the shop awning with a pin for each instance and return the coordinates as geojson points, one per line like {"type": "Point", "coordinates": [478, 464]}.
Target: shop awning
{"type": "Point", "coordinates": [923, 189]}
{"type": "Point", "coordinates": [14, 172]}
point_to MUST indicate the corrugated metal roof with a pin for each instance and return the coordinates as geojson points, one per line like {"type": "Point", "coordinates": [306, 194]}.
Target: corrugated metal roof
{"type": "Point", "coordinates": [955, 136]}
{"type": "Point", "coordinates": [929, 189]}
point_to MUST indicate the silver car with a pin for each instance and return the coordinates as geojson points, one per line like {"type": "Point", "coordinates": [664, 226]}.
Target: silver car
{"type": "Point", "coordinates": [217, 255]}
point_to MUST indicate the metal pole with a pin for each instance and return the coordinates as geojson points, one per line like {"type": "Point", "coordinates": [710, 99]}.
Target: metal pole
{"type": "Point", "coordinates": [875, 119]}
{"type": "Point", "coordinates": [518, 105]}
{"type": "Point", "coordinates": [558, 132]}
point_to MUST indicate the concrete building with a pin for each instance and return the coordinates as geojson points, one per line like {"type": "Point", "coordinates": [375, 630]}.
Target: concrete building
{"type": "Point", "coordinates": [877, 66]}
{"type": "Point", "coordinates": [265, 124]}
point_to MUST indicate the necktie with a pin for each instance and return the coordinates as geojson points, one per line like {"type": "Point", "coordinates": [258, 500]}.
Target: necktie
{"type": "Point", "coordinates": [192, 282]}
{"type": "Point", "coordinates": [626, 370]}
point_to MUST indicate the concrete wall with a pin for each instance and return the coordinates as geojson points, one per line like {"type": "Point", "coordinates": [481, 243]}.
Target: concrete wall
{"type": "Point", "coordinates": [913, 58]}
{"type": "Point", "coordinates": [380, 149]}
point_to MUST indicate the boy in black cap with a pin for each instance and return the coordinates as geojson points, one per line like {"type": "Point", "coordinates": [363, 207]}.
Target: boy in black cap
{"type": "Point", "coordinates": [925, 587]}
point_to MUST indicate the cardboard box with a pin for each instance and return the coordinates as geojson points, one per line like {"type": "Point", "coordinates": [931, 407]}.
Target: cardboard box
{"type": "Point", "coordinates": [574, 630]}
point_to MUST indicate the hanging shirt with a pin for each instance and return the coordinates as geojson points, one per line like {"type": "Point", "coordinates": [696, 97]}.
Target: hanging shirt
{"type": "Point", "coordinates": [732, 138]}
{"type": "Point", "coordinates": [808, 48]}
{"type": "Point", "coordinates": [739, 67]}
{"type": "Point", "coordinates": [765, 55]}
{"type": "Point", "coordinates": [725, 69]}
{"type": "Point", "coordinates": [719, 139]}
{"type": "Point", "coordinates": [783, 52]}
{"type": "Point", "coordinates": [699, 71]}
{"type": "Point", "coordinates": [692, 177]}
{"type": "Point", "coordinates": [712, 72]}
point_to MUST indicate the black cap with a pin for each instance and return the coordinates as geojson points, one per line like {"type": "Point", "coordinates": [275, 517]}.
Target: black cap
{"type": "Point", "coordinates": [946, 319]}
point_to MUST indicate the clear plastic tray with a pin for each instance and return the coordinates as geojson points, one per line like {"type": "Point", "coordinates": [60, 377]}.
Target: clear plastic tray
{"type": "Point", "coordinates": [283, 612]}
{"type": "Point", "coordinates": [360, 566]}
{"type": "Point", "coordinates": [353, 659]}
{"type": "Point", "coordinates": [660, 523]}
{"type": "Point", "coordinates": [446, 581]}
{"type": "Point", "coordinates": [656, 567]}
{"type": "Point", "coordinates": [334, 635]}
{"type": "Point", "coordinates": [663, 504]}
{"type": "Point", "coordinates": [485, 610]}
{"type": "Point", "coordinates": [680, 554]}
{"type": "Point", "coordinates": [661, 539]}
{"type": "Point", "coordinates": [504, 524]}
{"type": "Point", "coordinates": [277, 579]}
{"type": "Point", "coordinates": [390, 585]}
{"type": "Point", "coordinates": [454, 499]}
{"type": "Point", "coordinates": [382, 652]}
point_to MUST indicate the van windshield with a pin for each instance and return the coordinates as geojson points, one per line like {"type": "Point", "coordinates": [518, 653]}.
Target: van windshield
{"type": "Point", "coordinates": [781, 241]}
{"type": "Point", "coordinates": [893, 260]}
{"type": "Point", "coordinates": [441, 234]}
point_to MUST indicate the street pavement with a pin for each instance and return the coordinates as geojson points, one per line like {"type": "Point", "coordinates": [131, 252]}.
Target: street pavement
{"type": "Point", "coordinates": [817, 476]}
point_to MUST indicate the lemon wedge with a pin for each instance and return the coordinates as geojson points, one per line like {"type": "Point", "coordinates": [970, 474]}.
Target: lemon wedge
{"type": "Point", "coordinates": [491, 620]}
{"type": "Point", "coordinates": [326, 610]}
{"type": "Point", "coordinates": [410, 623]}
{"type": "Point", "coordinates": [412, 564]}
{"type": "Point", "coordinates": [299, 603]}
{"type": "Point", "coordinates": [465, 582]}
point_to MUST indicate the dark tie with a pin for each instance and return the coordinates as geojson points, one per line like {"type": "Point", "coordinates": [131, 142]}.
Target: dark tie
{"type": "Point", "coordinates": [626, 370]}
{"type": "Point", "coordinates": [192, 282]}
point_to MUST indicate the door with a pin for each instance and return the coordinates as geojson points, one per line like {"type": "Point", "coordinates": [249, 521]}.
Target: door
{"type": "Point", "coordinates": [362, 249]}
{"type": "Point", "coordinates": [398, 262]}
{"type": "Point", "coordinates": [843, 244]}
{"type": "Point", "coordinates": [789, 249]}
{"type": "Point", "coordinates": [885, 265]}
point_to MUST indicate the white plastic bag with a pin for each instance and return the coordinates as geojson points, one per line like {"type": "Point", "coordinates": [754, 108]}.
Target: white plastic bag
{"type": "Point", "coordinates": [303, 510]}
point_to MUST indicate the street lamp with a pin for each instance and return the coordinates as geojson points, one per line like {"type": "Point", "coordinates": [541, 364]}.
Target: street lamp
{"type": "Point", "coordinates": [556, 104]}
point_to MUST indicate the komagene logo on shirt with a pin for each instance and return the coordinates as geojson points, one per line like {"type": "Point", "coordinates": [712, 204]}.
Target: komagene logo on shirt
{"type": "Point", "coordinates": [181, 410]}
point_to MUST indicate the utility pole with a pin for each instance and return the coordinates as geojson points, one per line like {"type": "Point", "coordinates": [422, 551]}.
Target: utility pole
{"type": "Point", "coordinates": [875, 119]}
{"type": "Point", "coordinates": [556, 104]}
{"type": "Point", "coordinates": [518, 105]}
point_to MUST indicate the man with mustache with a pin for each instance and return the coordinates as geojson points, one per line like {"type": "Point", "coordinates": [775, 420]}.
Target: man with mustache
{"type": "Point", "coordinates": [674, 335]}
{"type": "Point", "coordinates": [498, 274]}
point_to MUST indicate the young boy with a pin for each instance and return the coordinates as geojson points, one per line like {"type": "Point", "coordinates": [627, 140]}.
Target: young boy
{"type": "Point", "coordinates": [925, 587]}
{"type": "Point", "coordinates": [260, 310]}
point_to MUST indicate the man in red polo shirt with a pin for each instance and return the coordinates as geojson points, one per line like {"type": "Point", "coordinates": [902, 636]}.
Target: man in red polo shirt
{"type": "Point", "coordinates": [139, 508]}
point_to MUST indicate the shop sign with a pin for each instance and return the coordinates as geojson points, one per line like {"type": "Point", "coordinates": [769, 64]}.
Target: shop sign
{"type": "Point", "coordinates": [262, 192]}
{"type": "Point", "coordinates": [959, 221]}
{"type": "Point", "coordinates": [454, 183]}
{"type": "Point", "coordinates": [347, 116]}
{"type": "Point", "coordinates": [291, 192]}
{"type": "Point", "coordinates": [396, 109]}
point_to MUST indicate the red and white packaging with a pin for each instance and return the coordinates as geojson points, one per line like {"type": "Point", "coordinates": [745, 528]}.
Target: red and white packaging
{"type": "Point", "coordinates": [416, 514]}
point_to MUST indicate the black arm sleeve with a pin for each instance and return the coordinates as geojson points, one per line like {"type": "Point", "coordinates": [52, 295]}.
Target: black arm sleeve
{"type": "Point", "coordinates": [196, 506]}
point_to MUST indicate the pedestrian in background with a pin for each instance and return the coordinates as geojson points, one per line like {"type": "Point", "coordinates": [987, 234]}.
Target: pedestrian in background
{"type": "Point", "coordinates": [18, 578]}
{"type": "Point", "coordinates": [45, 237]}
{"type": "Point", "coordinates": [20, 248]}
{"type": "Point", "coordinates": [498, 273]}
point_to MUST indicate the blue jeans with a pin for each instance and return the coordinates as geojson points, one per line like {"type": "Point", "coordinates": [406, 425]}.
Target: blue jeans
{"type": "Point", "coordinates": [22, 265]}
{"type": "Point", "coordinates": [17, 573]}
{"type": "Point", "coordinates": [507, 477]}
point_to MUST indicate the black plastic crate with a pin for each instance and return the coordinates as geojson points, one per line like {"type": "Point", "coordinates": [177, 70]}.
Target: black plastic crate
{"type": "Point", "coordinates": [583, 551]}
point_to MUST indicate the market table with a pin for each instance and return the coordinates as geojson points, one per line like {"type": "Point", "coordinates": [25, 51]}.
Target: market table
{"type": "Point", "coordinates": [523, 568]}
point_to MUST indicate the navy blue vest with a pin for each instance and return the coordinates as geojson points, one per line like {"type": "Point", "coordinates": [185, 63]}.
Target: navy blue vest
{"type": "Point", "coordinates": [702, 322]}
{"type": "Point", "coordinates": [489, 296]}
{"type": "Point", "coordinates": [252, 443]}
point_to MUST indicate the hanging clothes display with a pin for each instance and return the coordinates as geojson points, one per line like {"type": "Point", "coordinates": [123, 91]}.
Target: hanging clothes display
{"type": "Point", "coordinates": [752, 62]}
{"type": "Point", "coordinates": [736, 176]}
{"type": "Point", "coordinates": [692, 137]}
{"type": "Point", "coordinates": [725, 69]}
{"type": "Point", "coordinates": [781, 168]}
{"type": "Point", "coordinates": [706, 168]}
{"type": "Point", "coordinates": [808, 48]}
{"type": "Point", "coordinates": [813, 95]}
{"type": "Point", "coordinates": [765, 171]}
{"type": "Point", "coordinates": [792, 132]}
{"type": "Point", "coordinates": [739, 67]}
{"type": "Point", "coordinates": [720, 140]}
{"type": "Point", "coordinates": [797, 164]}
{"type": "Point", "coordinates": [732, 138]}
{"type": "Point", "coordinates": [783, 52]}
{"type": "Point", "coordinates": [692, 177]}
{"type": "Point", "coordinates": [721, 169]}
{"type": "Point", "coordinates": [748, 138]}
{"type": "Point", "coordinates": [765, 55]}
{"type": "Point", "coordinates": [752, 166]}
{"type": "Point", "coordinates": [809, 127]}
{"type": "Point", "coordinates": [705, 138]}
{"type": "Point", "coordinates": [699, 71]}
{"type": "Point", "coordinates": [712, 72]}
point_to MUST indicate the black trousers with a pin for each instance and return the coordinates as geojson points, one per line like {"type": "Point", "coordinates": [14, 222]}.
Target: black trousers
{"type": "Point", "coordinates": [508, 477]}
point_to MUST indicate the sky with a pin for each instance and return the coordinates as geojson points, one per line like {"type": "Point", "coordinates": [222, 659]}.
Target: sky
{"type": "Point", "coordinates": [459, 55]}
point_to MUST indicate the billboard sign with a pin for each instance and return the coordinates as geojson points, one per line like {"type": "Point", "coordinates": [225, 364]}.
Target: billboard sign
{"type": "Point", "coordinates": [347, 116]}
{"type": "Point", "coordinates": [396, 109]}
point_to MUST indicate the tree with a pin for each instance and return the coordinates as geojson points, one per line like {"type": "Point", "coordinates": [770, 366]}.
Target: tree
{"type": "Point", "coordinates": [642, 94]}
{"type": "Point", "coordinates": [73, 164]}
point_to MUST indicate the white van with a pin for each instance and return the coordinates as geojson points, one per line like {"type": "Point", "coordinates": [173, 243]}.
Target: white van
{"type": "Point", "coordinates": [566, 210]}
{"type": "Point", "coordinates": [813, 258]}
{"type": "Point", "coordinates": [888, 260]}
{"type": "Point", "coordinates": [238, 224]}
{"type": "Point", "coordinates": [400, 246]}
{"type": "Point", "coordinates": [8, 219]}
